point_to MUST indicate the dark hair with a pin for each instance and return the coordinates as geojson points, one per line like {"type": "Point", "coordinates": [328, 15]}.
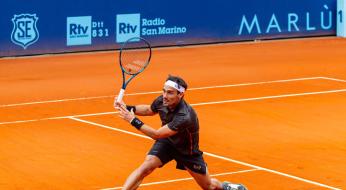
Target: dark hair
{"type": "Point", "coordinates": [178, 80]}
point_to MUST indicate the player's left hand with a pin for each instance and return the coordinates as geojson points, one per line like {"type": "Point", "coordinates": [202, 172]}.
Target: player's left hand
{"type": "Point", "coordinates": [118, 104]}
{"type": "Point", "coordinates": [124, 113]}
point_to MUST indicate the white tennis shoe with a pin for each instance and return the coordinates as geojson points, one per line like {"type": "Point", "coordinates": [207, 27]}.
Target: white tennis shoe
{"type": "Point", "coordinates": [232, 186]}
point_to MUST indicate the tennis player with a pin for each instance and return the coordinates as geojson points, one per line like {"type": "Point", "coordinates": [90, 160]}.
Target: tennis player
{"type": "Point", "coordinates": [177, 139]}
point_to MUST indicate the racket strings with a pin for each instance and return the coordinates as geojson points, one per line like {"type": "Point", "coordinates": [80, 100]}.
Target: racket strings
{"type": "Point", "coordinates": [133, 61]}
{"type": "Point", "coordinates": [135, 56]}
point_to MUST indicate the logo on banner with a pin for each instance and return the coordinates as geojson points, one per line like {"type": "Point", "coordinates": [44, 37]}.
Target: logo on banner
{"type": "Point", "coordinates": [24, 31]}
{"type": "Point", "coordinates": [127, 26]}
{"type": "Point", "coordinates": [132, 25]}
{"type": "Point", "coordinates": [79, 30]}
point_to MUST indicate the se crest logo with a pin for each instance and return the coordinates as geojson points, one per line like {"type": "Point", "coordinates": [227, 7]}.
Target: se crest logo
{"type": "Point", "coordinates": [24, 31]}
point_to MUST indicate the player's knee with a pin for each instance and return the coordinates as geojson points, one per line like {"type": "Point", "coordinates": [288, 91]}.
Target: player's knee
{"type": "Point", "coordinates": [148, 166]}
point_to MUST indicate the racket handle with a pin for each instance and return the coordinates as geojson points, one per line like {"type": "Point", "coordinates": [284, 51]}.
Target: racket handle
{"type": "Point", "coordinates": [120, 96]}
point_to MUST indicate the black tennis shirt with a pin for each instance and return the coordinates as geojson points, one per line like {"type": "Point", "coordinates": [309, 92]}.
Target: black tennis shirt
{"type": "Point", "coordinates": [182, 119]}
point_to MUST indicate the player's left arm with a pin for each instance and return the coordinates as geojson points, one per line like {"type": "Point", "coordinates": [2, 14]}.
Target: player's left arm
{"type": "Point", "coordinates": [143, 110]}
{"type": "Point", "coordinates": [130, 117]}
{"type": "Point", "coordinates": [155, 134]}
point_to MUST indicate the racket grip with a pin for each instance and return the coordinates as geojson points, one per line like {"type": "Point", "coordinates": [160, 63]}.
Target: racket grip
{"type": "Point", "coordinates": [120, 96]}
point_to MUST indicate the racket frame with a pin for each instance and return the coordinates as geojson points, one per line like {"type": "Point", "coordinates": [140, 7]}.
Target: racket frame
{"type": "Point", "coordinates": [126, 82]}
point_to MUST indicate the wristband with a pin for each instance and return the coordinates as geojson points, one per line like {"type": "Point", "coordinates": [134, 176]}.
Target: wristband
{"type": "Point", "coordinates": [129, 108]}
{"type": "Point", "coordinates": [137, 123]}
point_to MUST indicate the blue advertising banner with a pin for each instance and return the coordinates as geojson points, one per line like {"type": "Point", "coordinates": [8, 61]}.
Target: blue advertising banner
{"type": "Point", "coordinates": [55, 26]}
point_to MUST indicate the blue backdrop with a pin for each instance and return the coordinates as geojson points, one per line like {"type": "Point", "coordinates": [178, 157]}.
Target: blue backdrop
{"type": "Point", "coordinates": [37, 27]}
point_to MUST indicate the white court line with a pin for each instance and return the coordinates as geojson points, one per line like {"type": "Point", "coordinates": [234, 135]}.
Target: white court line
{"type": "Point", "coordinates": [108, 127]}
{"type": "Point", "coordinates": [157, 92]}
{"type": "Point", "coordinates": [333, 79]}
{"type": "Point", "coordinates": [195, 104]}
{"type": "Point", "coordinates": [270, 97]}
{"type": "Point", "coordinates": [184, 179]}
{"type": "Point", "coordinates": [54, 101]}
{"type": "Point", "coordinates": [215, 156]}
{"type": "Point", "coordinates": [60, 117]}
{"type": "Point", "coordinates": [86, 115]}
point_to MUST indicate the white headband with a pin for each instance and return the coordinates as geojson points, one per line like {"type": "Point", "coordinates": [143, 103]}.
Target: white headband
{"type": "Point", "coordinates": [175, 85]}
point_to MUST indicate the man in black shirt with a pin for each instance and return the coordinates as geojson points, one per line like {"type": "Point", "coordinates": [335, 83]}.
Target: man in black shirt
{"type": "Point", "coordinates": [177, 139]}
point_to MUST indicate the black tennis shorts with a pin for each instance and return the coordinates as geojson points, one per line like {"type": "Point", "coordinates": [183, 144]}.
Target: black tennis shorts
{"type": "Point", "coordinates": [166, 152]}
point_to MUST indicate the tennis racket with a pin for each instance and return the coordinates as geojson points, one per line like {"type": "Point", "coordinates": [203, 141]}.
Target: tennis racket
{"type": "Point", "coordinates": [134, 57]}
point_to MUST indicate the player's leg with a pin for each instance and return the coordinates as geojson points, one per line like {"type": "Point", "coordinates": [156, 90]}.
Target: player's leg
{"type": "Point", "coordinates": [148, 166]}
{"type": "Point", "coordinates": [197, 168]}
{"type": "Point", "coordinates": [205, 181]}
{"type": "Point", "coordinates": [208, 183]}
{"type": "Point", "coordinates": [158, 156]}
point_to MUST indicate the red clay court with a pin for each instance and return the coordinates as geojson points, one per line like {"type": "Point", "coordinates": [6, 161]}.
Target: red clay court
{"type": "Point", "coordinates": [272, 116]}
